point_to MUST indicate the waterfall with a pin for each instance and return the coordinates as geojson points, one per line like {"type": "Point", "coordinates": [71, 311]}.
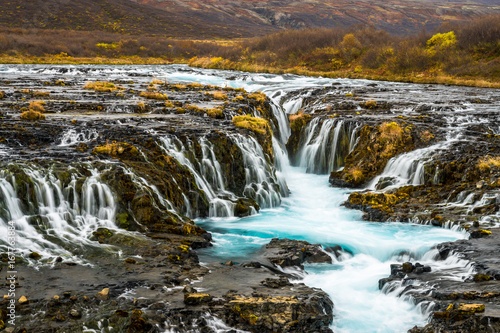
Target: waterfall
{"type": "Point", "coordinates": [261, 182]}
{"type": "Point", "coordinates": [325, 144]}
{"type": "Point", "coordinates": [260, 177]}
{"type": "Point", "coordinates": [207, 173]}
{"type": "Point", "coordinates": [64, 216]}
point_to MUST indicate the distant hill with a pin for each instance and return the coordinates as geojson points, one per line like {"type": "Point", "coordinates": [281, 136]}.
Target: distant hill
{"type": "Point", "coordinates": [123, 16]}
{"type": "Point", "coordinates": [229, 19]}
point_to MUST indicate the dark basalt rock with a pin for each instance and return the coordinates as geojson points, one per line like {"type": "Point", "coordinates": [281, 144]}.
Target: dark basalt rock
{"type": "Point", "coordinates": [289, 252]}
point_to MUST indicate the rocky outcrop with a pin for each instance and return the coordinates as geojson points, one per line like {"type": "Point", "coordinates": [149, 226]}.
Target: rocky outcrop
{"type": "Point", "coordinates": [294, 253]}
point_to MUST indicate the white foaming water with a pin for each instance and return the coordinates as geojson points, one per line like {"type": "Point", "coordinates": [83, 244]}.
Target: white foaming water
{"type": "Point", "coordinates": [72, 137]}
{"type": "Point", "coordinates": [211, 184]}
{"type": "Point", "coordinates": [64, 218]}
{"type": "Point", "coordinates": [327, 142]}
{"type": "Point", "coordinates": [262, 183]}
{"type": "Point", "coordinates": [408, 168]}
{"type": "Point", "coordinates": [312, 213]}
{"type": "Point", "coordinates": [260, 178]}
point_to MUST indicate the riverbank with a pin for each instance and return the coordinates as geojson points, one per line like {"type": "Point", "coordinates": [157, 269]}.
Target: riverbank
{"type": "Point", "coordinates": [416, 77]}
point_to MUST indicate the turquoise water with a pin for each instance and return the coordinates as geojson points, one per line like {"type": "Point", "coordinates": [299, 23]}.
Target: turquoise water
{"type": "Point", "coordinates": [313, 213]}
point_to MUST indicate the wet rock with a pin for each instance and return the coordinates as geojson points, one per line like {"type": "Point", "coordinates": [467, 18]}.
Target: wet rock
{"type": "Point", "coordinates": [289, 252]}
{"type": "Point", "coordinates": [74, 313]}
{"type": "Point", "coordinates": [480, 233]}
{"type": "Point", "coordinates": [279, 314]}
{"type": "Point", "coordinates": [277, 282]}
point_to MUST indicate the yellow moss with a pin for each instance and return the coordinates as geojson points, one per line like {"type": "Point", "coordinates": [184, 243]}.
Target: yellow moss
{"type": "Point", "coordinates": [37, 106]}
{"type": "Point", "coordinates": [257, 125]}
{"type": "Point", "coordinates": [215, 113]}
{"type": "Point", "coordinates": [115, 148]}
{"type": "Point", "coordinates": [194, 85]}
{"type": "Point", "coordinates": [488, 162]}
{"type": "Point", "coordinates": [370, 104]}
{"type": "Point", "coordinates": [179, 86]}
{"type": "Point", "coordinates": [169, 105]}
{"type": "Point", "coordinates": [258, 96]}
{"type": "Point", "coordinates": [238, 98]}
{"type": "Point", "coordinates": [141, 107]}
{"type": "Point", "coordinates": [217, 95]}
{"type": "Point", "coordinates": [32, 115]}
{"type": "Point", "coordinates": [184, 248]}
{"type": "Point", "coordinates": [354, 174]}
{"type": "Point", "coordinates": [391, 131]}
{"type": "Point", "coordinates": [102, 86]}
{"type": "Point", "coordinates": [426, 136]}
{"type": "Point", "coordinates": [153, 95]}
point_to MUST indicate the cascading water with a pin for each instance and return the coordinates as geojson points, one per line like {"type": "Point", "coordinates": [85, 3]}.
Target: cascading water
{"type": "Point", "coordinates": [312, 212]}
{"type": "Point", "coordinates": [262, 183]}
{"type": "Point", "coordinates": [72, 137]}
{"type": "Point", "coordinates": [325, 144]}
{"type": "Point", "coordinates": [62, 218]}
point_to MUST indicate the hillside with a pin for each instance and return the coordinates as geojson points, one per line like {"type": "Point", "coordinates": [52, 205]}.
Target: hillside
{"type": "Point", "coordinates": [232, 19]}
{"type": "Point", "coordinates": [120, 16]}
{"type": "Point", "coordinates": [395, 16]}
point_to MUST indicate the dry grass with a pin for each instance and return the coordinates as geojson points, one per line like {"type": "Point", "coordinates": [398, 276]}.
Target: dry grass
{"type": "Point", "coordinates": [101, 86]}
{"type": "Point", "coordinates": [2, 94]}
{"type": "Point", "coordinates": [194, 85]}
{"type": "Point", "coordinates": [488, 162]}
{"type": "Point", "coordinates": [37, 106]}
{"type": "Point", "coordinates": [153, 95]}
{"type": "Point", "coordinates": [32, 115]}
{"type": "Point", "coordinates": [257, 125]}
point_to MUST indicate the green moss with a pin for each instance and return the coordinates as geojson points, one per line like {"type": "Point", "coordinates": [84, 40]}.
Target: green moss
{"type": "Point", "coordinates": [257, 125]}
{"type": "Point", "coordinates": [122, 220]}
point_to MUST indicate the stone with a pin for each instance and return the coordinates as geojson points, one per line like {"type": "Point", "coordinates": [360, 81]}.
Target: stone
{"type": "Point", "coordinates": [408, 267]}
{"type": "Point", "coordinates": [103, 295]}
{"type": "Point", "coordinates": [130, 261]}
{"type": "Point", "coordinates": [75, 313]}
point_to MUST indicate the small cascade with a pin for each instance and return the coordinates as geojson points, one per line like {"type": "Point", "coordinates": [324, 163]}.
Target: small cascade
{"type": "Point", "coordinates": [206, 172]}
{"type": "Point", "coordinates": [64, 216]}
{"type": "Point", "coordinates": [325, 144]}
{"type": "Point", "coordinates": [72, 137]}
{"type": "Point", "coordinates": [284, 126]}
{"type": "Point", "coordinates": [261, 180]}
{"type": "Point", "coordinates": [292, 106]}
